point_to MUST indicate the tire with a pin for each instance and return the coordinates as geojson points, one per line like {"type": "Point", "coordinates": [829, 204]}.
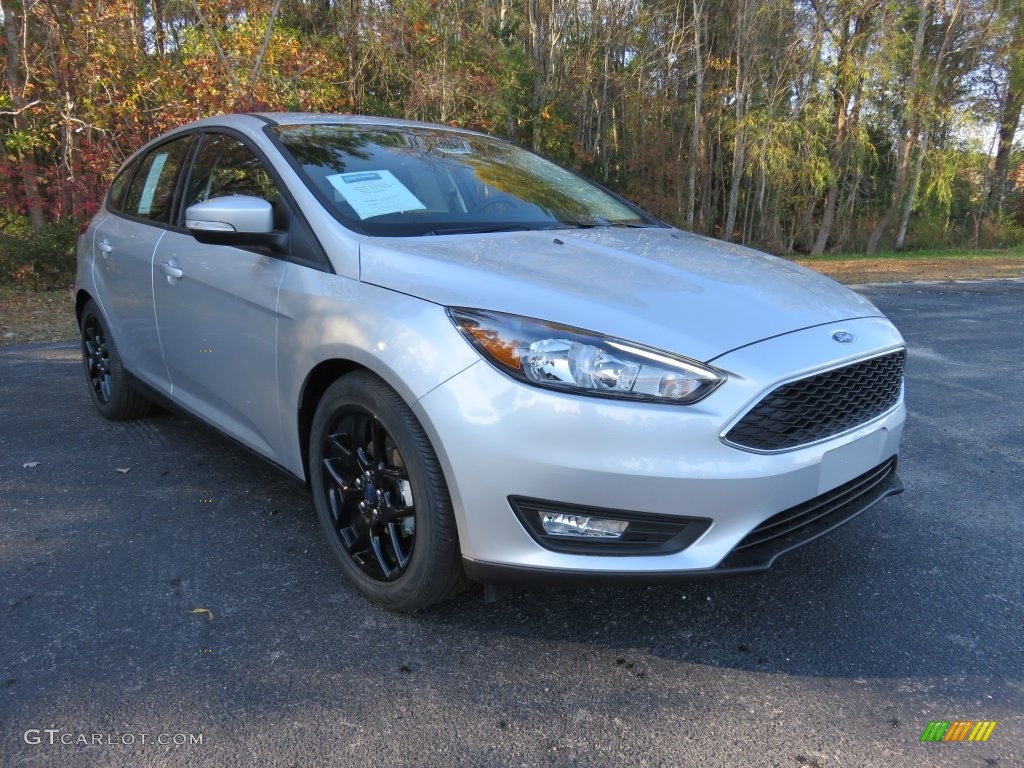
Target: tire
{"type": "Point", "coordinates": [113, 392]}
{"type": "Point", "coordinates": [381, 496]}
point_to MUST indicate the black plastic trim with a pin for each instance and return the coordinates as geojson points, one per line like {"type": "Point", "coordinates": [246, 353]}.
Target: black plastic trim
{"type": "Point", "coordinates": [790, 416]}
{"type": "Point", "coordinates": [813, 519]}
{"type": "Point", "coordinates": [647, 534]}
{"type": "Point", "coordinates": [172, 406]}
{"type": "Point", "coordinates": [263, 118]}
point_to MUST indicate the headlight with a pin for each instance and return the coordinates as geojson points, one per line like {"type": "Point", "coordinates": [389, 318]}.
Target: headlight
{"type": "Point", "coordinates": [574, 360]}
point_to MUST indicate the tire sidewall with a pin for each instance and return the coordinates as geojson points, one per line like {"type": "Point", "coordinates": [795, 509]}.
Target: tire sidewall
{"type": "Point", "coordinates": [426, 560]}
{"type": "Point", "coordinates": [117, 403]}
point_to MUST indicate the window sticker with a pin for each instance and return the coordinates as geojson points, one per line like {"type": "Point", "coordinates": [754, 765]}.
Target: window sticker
{"type": "Point", "coordinates": [375, 193]}
{"type": "Point", "coordinates": [149, 188]}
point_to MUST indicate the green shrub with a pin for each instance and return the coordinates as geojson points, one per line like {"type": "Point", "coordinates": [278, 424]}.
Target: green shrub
{"type": "Point", "coordinates": [1000, 231]}
{"type": "Point", "coordinates": [41, 259]}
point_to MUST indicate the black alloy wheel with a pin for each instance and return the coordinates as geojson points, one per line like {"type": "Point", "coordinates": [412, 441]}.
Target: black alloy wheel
{"type": "Point", "coordinates": [97, 358]}
{"type": "Point", "coordinates": [381, 496]}
{"type": "Point", "coordinates": [369, 494]}
{"type": "Point", "coordinates": [113, 392]}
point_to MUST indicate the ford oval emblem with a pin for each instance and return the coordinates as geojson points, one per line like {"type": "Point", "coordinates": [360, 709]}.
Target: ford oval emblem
{"type": "Point", "coordinates": [843, 337]}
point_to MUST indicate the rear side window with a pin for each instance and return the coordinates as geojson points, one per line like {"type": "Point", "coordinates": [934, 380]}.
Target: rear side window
{"type": "Point", "coordinates": [118, 188]}
{"type": "Point", "coordinates": [151, 193]}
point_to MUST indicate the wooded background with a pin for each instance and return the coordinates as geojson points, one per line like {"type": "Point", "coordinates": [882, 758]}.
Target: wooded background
{"type": "Point", "coordinates": [796, 126]}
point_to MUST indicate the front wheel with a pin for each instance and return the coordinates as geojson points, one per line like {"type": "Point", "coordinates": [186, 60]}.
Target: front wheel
{"type": "Point", "coordinates": [381, 497]}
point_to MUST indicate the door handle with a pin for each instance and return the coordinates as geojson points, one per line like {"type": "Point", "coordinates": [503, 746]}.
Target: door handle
{"type": "Point", "coordinates": [171, 270]}
{"type": "Point", "coordinates": [105, 247]}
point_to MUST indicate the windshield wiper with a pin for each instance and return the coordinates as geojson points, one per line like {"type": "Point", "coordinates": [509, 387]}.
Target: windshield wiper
{"type": "Point", "coordinates": [482, 230]}
{"type": "Point", "coordinates": [593, 223]}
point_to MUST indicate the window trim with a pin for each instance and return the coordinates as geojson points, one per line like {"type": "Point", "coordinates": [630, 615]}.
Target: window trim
{"type": "Point", "coordinates": [128, 169]}
{"type": "Point", "coordinates": [320, 261]}
{"type": "Point", "coordinates": [139, 160]}
{"type": "Point", "coordinates": [176, 222]}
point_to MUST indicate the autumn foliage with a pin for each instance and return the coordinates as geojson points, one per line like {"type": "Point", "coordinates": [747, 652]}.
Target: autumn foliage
{"type": "Point", "coordinates": [790, 125]}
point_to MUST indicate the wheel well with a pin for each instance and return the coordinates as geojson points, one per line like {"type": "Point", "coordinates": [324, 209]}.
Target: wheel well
{"type": "Point", "coordinates": [317, 382]}
{"type": "Point", "coordinates": [81, 299]}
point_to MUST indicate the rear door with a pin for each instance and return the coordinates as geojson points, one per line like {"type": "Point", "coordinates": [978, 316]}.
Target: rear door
{"type": "Point", "coordinates": [218, 319]}
{"type": "Point", "coordinates": [124, 244]}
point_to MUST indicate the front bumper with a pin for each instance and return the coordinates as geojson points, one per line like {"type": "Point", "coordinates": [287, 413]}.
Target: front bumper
{"type": "Point", "coordinates": [499, 439]}
{"type": "Point", "coordinates": [757, 552]}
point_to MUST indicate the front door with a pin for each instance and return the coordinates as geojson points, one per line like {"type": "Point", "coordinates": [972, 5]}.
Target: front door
{"type": "Point", "coordinates": [216, 307]}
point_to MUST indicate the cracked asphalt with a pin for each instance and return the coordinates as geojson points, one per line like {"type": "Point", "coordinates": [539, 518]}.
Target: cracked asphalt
{"type": "Point", "coordinates": [158, 586]}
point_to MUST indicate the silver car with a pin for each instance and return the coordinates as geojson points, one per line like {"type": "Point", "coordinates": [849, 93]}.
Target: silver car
{"type": "Point", "coordinates": [485, 366]}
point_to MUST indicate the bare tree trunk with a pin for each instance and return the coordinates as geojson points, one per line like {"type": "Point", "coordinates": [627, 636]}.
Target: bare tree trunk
{"type": "Point", "coordinates": [846, 98]}
{"type": "Point", "coordinates": [734, 183]}
{"type": "Point", "coordinates": [229, 71]}
{"type": "Point", "coordinates": [159, 32]}
{"type": "Point", "coordinates": [352, 48]}
{"type": "Point", "coordinates": [16, 81]}
{"type": "Point", "coordinates": [1007, 130]}
{"type": "Point", "coordinates": [741, 95]}
{"type": "Point", "coordinates": [254, 74]}
{"type": "Point", "coordinates": [1009, 114]}
{"type": "Point", "coordinates": [828, 218]}
{"type": "Point", "coordinates": [699, 22]}
{"type": "Point", "coordinates": [908, 202]}
{"type": "Point", "coordinates": [536, 47]}
{"type": "Point", "coordinates": [952, 22]}
{"type": "Point", "coordinates": [911, 131]}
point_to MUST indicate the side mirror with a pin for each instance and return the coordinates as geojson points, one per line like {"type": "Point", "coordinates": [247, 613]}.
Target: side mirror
{"type": "Point", "coordinates": [240, 220]}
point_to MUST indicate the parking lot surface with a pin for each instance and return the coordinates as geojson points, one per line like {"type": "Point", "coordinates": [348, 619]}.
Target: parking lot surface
{"type": "Point", "coordinates": [166, 599]}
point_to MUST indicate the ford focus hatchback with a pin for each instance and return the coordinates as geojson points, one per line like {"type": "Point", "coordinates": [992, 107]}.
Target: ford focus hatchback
{"type": "Point", "coordinates": [485, 366]}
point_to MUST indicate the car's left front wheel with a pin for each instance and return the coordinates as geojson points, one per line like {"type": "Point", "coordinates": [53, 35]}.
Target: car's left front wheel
{"type": "Point", "coordinates": [381, 496]}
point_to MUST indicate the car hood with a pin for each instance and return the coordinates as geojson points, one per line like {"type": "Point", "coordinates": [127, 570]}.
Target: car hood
{"type": "Point", "coordinates": [673, 290]}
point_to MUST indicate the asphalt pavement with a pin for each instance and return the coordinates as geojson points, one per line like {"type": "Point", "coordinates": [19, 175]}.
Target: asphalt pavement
{"type": "Point", "coordinates": [167, 600]}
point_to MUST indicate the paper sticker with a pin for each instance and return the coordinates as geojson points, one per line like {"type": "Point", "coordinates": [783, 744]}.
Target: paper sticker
{"type": "Point", "coordinates": [149, 188]}
{"type": "Point", "coordinates": [375, 193]}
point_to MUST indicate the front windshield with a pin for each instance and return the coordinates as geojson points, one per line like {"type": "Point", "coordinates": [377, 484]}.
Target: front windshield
{"type": "Point", "coordinates": [397, 182]}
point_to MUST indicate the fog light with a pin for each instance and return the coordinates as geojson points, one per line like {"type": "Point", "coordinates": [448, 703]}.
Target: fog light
{"type": "Point", "coordinates": [582, 526]}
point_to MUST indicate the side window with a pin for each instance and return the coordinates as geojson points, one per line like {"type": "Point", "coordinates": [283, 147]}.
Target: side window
{"type": "Point", "coordinates": [115, 200]}
{"type": "Point", "coordinates": [225, 166]}
{"type": "Point", "coordinates": [151, 193]}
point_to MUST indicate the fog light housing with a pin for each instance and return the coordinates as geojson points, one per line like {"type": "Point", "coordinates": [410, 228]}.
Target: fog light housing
{"type": "Point", "coordinates": [579, 530]}
{"type": "Point", "coordinates": [581, 526]}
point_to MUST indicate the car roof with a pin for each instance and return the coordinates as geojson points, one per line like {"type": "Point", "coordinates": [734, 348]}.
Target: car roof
{"type": "Point", "coordinates": [252, 122]}
{"type": "Point", "coordinates": [246, 121]}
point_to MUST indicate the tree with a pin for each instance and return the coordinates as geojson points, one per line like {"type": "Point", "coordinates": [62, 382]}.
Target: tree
{"type": "Point", "coordinates": [852, 37]}
{"type": "Point", "coordinates": [1011, 101]}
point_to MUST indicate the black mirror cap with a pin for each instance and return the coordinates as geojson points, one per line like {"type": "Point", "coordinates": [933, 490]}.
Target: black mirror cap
{"type": "Point", "coordinates": [276, 241]}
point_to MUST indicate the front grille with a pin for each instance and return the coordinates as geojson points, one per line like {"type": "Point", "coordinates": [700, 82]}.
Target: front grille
{"type": "Point", "coordinates": [821, 406]}
{"type": "Point", "coordinates": [811, 519]}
